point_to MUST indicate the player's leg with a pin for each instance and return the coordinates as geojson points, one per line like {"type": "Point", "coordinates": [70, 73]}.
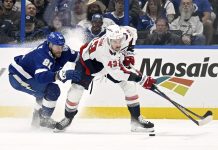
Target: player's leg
{"type": "Point", "coordinates": [73, 98]}
{"type": "Point", "coordinates": [46, 97]}
{"type": "Point", "coordinates": [138, 124]}
{"type": "Point", "coordinates": [51, 95]}
{"type": "Point", "coordinates": [36, 113]}
{"type": "Point", "coordinates": [27, 87]}
{"type": "Point", "coordinates": [50, 92]}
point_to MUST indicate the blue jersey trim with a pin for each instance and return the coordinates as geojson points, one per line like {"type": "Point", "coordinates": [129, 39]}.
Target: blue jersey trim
{"type": "Point", "coordinates": [14, 46]}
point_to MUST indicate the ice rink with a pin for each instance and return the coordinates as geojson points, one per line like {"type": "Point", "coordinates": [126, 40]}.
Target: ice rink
{"type": "Point", "coordinates": [108, 134]}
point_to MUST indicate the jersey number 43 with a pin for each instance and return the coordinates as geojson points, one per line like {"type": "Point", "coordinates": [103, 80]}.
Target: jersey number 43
{"type": "Point", "coordinates": [113, 63]}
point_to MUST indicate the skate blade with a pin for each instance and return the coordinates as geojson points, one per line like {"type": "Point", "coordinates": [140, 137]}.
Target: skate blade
{"type": "Point", "coordinates": [140, 129]}
{"type": "Point", "coordinates": [58, 131]}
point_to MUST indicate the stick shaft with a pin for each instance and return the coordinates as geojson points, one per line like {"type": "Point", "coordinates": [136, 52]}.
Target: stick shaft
{"type": "Point", "coordinates": [178, 106]}
{"type": "Point", "coordinates": [175, 103]}
{"type": "Point", "coordinates": [183, 109]}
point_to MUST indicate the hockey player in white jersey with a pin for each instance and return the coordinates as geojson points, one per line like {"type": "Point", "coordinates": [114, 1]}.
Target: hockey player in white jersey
{"type": "Point", "coordinates": [109, 56]}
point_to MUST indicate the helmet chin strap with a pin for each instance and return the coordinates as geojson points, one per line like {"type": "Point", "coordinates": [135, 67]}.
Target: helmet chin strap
{"type": "Point", "coordinates": [50, 48]}
{"type": "Point", "coordinates": [109, 43]}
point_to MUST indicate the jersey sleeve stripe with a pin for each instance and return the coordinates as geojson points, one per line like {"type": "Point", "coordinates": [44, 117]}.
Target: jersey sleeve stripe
{"type": "Point", "coordinates": [41, 70]}
{"type": "Point", "coordinates": [21, 71]}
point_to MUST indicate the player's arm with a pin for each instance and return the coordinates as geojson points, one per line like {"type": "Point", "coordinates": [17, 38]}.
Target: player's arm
{"type": "Point", "coordinates": [127, 75]}
{"type": "Point", "coordinates": [145, 81]}
{"type": "Point", "coordinates": [72, 54]}
{"type": "Point", "coordinates": [131, 37]}
{"type": "Point", "coordinates": [89, 59]}
{"type": "Point", "coordinates": [43, 73]}
{"type": "Point", "coordinates": [132, 34]}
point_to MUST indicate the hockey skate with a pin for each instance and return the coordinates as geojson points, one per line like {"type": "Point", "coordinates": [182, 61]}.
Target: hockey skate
{"type": "Point", "coordinates": [141, 125]}
{"type": "Point", "coordinates": [63, 124]}
{"type": "Point", "coordinates": [36, 119]}
{"type": "Point", "coordinates": [47, 122]}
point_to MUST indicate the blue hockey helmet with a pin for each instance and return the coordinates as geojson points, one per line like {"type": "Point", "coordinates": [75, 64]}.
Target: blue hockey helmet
{"type": "Point", "coordinates": [56, 38]}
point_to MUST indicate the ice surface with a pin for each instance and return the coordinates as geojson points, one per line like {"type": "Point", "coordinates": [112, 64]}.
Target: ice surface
{"type": "Point", "coordinates": [108, 134]}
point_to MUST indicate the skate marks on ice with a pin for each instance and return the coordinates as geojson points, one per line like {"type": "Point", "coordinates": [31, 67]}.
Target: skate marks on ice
{"type": "Point", "coordinates": [108, 134]}
{"type": "Point", "coordinates": [163, 128]}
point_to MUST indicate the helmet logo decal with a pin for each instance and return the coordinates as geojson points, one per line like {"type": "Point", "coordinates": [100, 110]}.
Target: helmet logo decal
{"type": "Point", "coordinates": [52, 35]}
{"type": "Point", "coordinates": [60, 37]}
{"type": "Point", "coordinates": [56, 38]}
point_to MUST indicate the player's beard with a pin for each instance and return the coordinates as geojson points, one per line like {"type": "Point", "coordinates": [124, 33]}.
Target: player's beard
{"type": "Point", "coordinates": [186, 13]}
{"type": "Point", "coordinates": [57, 55]}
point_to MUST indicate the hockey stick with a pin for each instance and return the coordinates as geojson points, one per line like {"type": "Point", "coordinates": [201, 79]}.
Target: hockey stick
{"type": "Point", "coordinates": [206, 118]}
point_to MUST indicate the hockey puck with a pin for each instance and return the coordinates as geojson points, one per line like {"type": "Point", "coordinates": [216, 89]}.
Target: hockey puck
{"type": "Point", "coordinates": [151, 134]}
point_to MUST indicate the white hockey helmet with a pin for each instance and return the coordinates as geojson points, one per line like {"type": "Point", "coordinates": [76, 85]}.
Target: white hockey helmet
{"type": "Point", "coordinates": [115, 37]}
{"type": "Point", "coordinates": [114, 32]}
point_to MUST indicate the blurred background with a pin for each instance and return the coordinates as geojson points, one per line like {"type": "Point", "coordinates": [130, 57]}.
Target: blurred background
{"type": "Point", "coordinates": [158, 22]}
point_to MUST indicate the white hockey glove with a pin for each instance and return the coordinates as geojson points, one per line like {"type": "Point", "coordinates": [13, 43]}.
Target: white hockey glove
{"type": "Point", "coordinates": [64, 75]}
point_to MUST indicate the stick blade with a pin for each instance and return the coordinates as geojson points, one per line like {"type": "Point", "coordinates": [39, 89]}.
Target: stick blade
{"type": "Point", "coordinates": [207, 118]}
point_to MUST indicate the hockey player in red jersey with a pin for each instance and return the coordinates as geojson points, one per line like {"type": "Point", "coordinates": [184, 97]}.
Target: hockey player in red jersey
{"type": "Point", "coordinates": [110, 56]}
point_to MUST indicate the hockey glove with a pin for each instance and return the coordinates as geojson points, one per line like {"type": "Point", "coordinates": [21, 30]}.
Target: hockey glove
{"type": "Point", "coordinates": [64, 75]}
{"type": "Point", "coordinates": [128, 60]}
{"type": "Point", "coordinates": [147, 82]}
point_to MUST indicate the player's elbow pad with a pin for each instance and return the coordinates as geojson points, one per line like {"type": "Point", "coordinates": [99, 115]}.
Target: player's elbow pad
{"type": "Point", "coordinates": [94, 66]}
{"type": "Point", "coordinates": [134, 77]}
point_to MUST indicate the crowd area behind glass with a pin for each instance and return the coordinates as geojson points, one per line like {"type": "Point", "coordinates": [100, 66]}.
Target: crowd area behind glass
{"type": "Point", "coordinates": [158, 22]}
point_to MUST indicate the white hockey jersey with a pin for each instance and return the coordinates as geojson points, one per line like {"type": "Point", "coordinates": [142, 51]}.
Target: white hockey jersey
{"type": "Point", "coordinates": [106, 61]}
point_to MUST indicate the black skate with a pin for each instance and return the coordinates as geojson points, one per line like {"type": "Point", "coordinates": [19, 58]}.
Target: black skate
{"type": "Point", "coordinates": [47, 122]}
{"type": "Point", "coordinates": [36, 118]}
{"type": "Point", "coordinates": [63, 124]}
{"type": "Point", "coordinates": [141, 125]}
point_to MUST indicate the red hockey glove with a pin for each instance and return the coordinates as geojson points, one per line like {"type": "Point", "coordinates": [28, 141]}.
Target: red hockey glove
{"type": "Point", "coordinates": [128, 60]}
{"type": "Point", "coordinates": [147, 82]}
